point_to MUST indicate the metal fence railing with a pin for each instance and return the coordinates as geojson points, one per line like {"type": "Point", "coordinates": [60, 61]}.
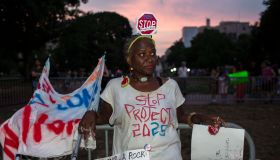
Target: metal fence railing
{"type": "Point", "coordinates": [15, 91]}
{"type": "Point", "coordinates": [106, 128]}
{"type": "Point", "coordinates": [222, 90]}
{"type": "Point", "coordinates": [248, 138]}
{"type": "Point", "coordinates": [251, 146]}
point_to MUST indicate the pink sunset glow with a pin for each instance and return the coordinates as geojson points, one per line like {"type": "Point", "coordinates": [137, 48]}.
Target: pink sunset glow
{"type": "Point", "coordinates": [173, 15]}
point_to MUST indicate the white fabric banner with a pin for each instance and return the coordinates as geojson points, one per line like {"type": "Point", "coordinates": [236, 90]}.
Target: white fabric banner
{"type": "Point", "coordinates": [139, 154]}
{"type": "Point", "coordinates": [45, 126]}
{"type": "Point", "coordinates": [227, 144]}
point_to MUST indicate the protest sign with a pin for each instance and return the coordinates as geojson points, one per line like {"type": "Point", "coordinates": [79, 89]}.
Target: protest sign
{"type": "Point", "coordinates": [45, 126]}
{"type": "Point", "coordinates": [140, 154]}
{"type": "Point", "coordinates": [146, 24]}
{"type": "Point", "coordinates": [227, 144]}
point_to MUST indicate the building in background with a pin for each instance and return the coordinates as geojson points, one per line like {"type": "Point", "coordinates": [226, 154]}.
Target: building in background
{"type": "Point", "coordinates": [232, 28]}
{"type": "Point", "coordinates": [188, 34]}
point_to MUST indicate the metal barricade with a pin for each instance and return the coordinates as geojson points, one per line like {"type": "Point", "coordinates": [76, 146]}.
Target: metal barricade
{"type": "Point", "coordinates": [248, 138]}
{"type": "Point", "coordinates": [14, 91]}
{"type": "Point", "coordinates": [106, 128]}
{"type": "Point", "coordinates": [202, 90]}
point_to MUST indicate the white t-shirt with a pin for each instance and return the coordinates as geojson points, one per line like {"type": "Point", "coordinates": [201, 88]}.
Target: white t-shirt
{"type": "Point", "coordinates": [142, 118]}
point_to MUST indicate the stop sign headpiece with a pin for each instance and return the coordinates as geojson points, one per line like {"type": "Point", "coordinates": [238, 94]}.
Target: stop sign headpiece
{"type": "Point", "coordinates": [146, 24]}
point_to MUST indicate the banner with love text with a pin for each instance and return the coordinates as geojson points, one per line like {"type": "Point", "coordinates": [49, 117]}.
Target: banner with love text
{"type": "Point", "coordinates": [45, 126]}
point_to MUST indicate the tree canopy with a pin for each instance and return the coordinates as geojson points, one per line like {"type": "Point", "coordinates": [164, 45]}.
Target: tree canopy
{"type": "Point", "coordinates": [213, 48]}
{"type": "Point", "coordinates": [177, 53]}
{"type": "Point", "coordinates": [269, 30]}
{"type": "Point", "coordinates": [88, 37]}
{"type": "Point", "coordinates": [209, 49]}
{"type": "Point", "coordinates": [26, 25]}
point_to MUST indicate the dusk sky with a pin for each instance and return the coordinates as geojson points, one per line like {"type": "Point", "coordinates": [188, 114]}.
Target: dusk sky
{"type": "Point", "coordinates": [173, 15]}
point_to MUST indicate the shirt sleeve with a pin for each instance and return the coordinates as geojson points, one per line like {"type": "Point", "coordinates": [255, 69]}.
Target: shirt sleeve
{"type": "Point", "coordinates": [107, 94]}
{"type": "Point", "coordinates": [179, 98]}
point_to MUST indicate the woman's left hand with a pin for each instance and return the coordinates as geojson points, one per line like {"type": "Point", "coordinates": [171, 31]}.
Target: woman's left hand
{"type": "Point", "coordinates": [214, 124]}
{"type": "Point", "coordinates": [216, 121]}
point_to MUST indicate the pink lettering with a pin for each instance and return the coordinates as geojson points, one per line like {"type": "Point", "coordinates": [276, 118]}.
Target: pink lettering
{"type": "Point", "coordinates": [136, 115]}
{"type": "Point", "coordinates": [129, 109]}
{"type": "Point", "coordinates": [26, 122]}
{"type": "Point", "coordinates": [143, 113]}
{"type": "Point", "coordinates": [56, 126]}
{"type": "Point", "coordinates": [146, 130]}
{"type": "Point", "coordinates": [69, 127]}
{"type": "Point", "coordinates": [149, 104]}
{"type": "Point", "coordinates": [136, 130]}
{"type": "Point", "coordinates": [148, 110]}
{"type": "Point", "coordinates": [52, 100]}
{"type": "Point", "coordinates": [154, 102]}
{"type": "Point", "coordinates": [165, 115]}
{"type": "Point", "coordinates": [47, 87]}
{"type": "Point", "coordinates": [160, 97]}
{"type": "Point", "coordinates": [11, 141]}
{"type": "Point", "coordinates": [154, 116]}
{"type": "Point", "coordinates": [141, 99]}
{"type": "Point", "coordinates": [37, 127]}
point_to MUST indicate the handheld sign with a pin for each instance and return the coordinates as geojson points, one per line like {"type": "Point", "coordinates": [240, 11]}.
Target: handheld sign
{"type": "Point", "coordinates": [227, 144]}
{"type": "Point", "coordinates": [139, 154]}
{"type": "Point", "coordinates": [146, 24]}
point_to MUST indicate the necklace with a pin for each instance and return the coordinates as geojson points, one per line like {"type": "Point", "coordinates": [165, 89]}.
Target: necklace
{"type": "Point", "coordinates": [141, 79]}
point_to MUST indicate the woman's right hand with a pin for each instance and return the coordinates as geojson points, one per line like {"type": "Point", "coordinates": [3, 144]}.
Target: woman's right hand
{"type": "Point", "coordinates": [87, 125]}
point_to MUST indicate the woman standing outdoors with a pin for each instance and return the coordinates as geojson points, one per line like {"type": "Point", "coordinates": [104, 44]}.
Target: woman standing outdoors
{"type": "Point", "coordinates": [144, 110]}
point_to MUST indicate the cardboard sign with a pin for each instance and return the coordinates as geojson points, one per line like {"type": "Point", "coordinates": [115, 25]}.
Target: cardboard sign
{"type": "Point", "coordinates": [146, 24]}
{"type": "Point", "coordinates": [139, 154]}
{"type": "Point", "coordinates": [227, 144]}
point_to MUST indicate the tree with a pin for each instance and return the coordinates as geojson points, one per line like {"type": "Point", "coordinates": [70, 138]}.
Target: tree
{"type": "Point", "coordinates": [177, 53]}
{"type": "Point", "coordinates": [26, 25]}
{"type": "Point", "coordinates": [88, 37]}
{"type": "Point", "coordinates": [213, 48]}
{"type": "Point", "coordinates": [269, 30]}
{"type": "Point", "coordinates": [209, 49]}
{"type": "Point", "coordinates": [244, 51]}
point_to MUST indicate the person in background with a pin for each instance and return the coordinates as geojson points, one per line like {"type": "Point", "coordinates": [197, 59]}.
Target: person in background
{"type": "Point", "coordinates": [36, 73]}
{"type": "Point", "coordinates": [269, 81]}
{"type": "Point", "coordinates": [223, 83]}
{"type": "Point", "coordinates": [214, 84]}
{"type": "Point", "coordinates": [158, 69]}
{"type": "Point", "coordinates": [240, 86]}
{"type": "Point", "coordinates": [145, 110]}
{"type": "Point", "coordinates": [253, 77]}
{"type": "Point", "coordinates": [183, 74]}
{"type": "Point", "coordinates": [118, 72]}
{"type": "Point", "coordinates": [183, 70]}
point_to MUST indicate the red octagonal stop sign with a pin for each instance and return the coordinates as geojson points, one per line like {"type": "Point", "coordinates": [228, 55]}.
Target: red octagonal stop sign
{"type": "Point", "coordinates": [147, 24]}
